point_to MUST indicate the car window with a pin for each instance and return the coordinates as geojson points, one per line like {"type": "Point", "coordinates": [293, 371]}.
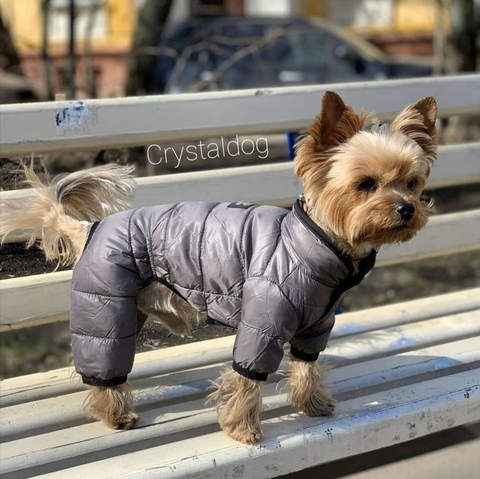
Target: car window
{"type": "Point", "coordinates": [306, 48]}
{"type": "Point", "coordinates": [223, 58]}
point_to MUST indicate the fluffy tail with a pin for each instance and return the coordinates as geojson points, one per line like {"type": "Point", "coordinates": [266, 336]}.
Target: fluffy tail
{"type": "Point", "coordinates": [60, 210]}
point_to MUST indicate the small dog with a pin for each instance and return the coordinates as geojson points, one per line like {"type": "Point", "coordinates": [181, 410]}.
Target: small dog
{"type": "Point", "coordinates": [275, 275]}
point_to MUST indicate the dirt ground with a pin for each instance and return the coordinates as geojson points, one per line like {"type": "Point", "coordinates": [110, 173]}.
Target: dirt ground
{"type": "Point", "coordinates": [47, 347]}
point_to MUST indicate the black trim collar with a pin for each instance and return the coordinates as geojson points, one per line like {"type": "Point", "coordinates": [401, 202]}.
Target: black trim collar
{"type": "Point", "coordinates": [90, 234]}
{"type": "Point", "coordinates": [364, 265]}
{"type": "Point", "coordinates": [317, 231]}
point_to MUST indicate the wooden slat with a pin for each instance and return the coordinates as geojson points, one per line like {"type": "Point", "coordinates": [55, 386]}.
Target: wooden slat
{"type": "Point", "coordinates": [113, 123]}
{"type": "Point", "coordinates": [456, 165]}
{"type": "Point", "coordinates": [33, 298]}
{"type": "Point", "coordinates": [444, 235]}
{"type": "Point", "coordinates": [273, 184]}
{"type": "Point", "coordinates": [295, 442]}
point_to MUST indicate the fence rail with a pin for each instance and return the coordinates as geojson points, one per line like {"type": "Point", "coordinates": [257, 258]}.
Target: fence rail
{"type": "Point", "coordinates": [113, 123]}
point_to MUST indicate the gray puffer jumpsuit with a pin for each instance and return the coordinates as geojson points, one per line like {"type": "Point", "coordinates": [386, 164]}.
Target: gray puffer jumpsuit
{"type": "Point", "coordinates": [269, 272]}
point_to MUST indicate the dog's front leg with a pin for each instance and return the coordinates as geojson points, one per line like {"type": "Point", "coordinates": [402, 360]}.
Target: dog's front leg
{"type": "Point", "coordinates": [307, 389]}
{"type": "Point", "coordinates": [239, 403]}
{"type": "Point", "coordinates": [112, 405]}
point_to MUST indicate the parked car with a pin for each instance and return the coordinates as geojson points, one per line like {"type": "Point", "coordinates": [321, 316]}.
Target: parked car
{"type": "Point", "coordinates": [221, 53]}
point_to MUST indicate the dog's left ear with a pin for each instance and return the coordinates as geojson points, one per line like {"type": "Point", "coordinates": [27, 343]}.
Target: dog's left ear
{"type": "Point", "coordinates": [417, 121]}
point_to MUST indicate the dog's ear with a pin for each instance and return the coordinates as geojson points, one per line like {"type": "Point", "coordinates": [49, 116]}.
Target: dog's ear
{"type": "Point", "coordinates": [417, 121]}
{"type": "Point", "coordinates": [427, 107]}
{"type": "Point", "coordinates": [335, 124]}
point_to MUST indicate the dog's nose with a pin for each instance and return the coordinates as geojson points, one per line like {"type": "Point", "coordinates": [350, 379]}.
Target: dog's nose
{"type": "Point", "coordinates": [405, 210]}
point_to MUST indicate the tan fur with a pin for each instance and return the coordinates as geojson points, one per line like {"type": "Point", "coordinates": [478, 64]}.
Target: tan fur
{"type": "Point", "coordinates": [60, 213]}
{"type": "Point", "coordinates": [111, 405]}
{"type": "Point", "coordinates": [307, 389]}
{"type": "Point", "coordinates": [336, 157]}
{"type": "Point", "coordinates": [239, 403]}
{"type": "Point", "coordinates": [161, 303]}
{"type": "Point", "coordinates": [338, 154]}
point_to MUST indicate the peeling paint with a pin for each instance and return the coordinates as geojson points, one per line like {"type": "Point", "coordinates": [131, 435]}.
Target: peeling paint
{"type": "Point", "coordinates": [72, 116]}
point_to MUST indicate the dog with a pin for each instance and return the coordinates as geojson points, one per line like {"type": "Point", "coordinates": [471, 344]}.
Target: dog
{"type": "Point", "coordinates": [276, 275]}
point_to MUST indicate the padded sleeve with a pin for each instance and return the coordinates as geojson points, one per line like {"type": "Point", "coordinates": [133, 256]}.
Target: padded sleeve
{"type": "Point", "coordinates": [268, 321]}
{"type": "Point", "coordinates": [307, 344]}
{"type": "Point", "coordinates": [103, 318]}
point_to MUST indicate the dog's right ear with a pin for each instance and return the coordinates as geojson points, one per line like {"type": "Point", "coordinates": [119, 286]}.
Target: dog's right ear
{"type": "Point", "coordinates": [335, 124]}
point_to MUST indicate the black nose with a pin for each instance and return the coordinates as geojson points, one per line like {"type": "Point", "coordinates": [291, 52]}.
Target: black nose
{"type": "Point", "coordinates": [405, 210]}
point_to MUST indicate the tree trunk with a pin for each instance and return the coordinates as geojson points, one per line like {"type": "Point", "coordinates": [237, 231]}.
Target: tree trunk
{"type": "Point", "coordinates": [463, 36]}
{"type": "Point", "coordinates": [141, 61]}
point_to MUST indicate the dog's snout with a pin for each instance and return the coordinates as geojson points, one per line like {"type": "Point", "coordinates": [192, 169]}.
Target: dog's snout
{"type": "Point", "coordinates": [405, 210]}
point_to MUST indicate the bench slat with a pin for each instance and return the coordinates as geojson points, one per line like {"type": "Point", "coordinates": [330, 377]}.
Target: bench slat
{"type": "Point", "coordinates": [292, 441]}
{"type": "Point", "coordinates": [179, 410]}
{"type": "Point", "coordinates": [113, 123]}
{"type": "Point", "coordinates": [273, 184]}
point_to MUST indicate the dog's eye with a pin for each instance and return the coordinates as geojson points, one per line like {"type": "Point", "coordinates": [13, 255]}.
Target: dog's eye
{"type": "Point", "coordinates": [412, 184]}
{"type": "Point", "coordinates": [368, 184]}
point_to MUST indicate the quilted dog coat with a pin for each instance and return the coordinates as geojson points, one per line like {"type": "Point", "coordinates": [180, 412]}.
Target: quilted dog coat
{"type": "Point", "coordinates": [267, 271]}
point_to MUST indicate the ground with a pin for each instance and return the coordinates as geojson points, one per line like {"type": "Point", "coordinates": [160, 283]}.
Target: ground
{"type": "Point", "coordinates": [47, 347]}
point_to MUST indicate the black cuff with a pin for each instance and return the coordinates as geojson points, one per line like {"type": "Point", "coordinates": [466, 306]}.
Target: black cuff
{"type": "Point", "coordinates": [106, 383]}
{"type": "Point", "coordinates": [256, 376]}
{"type": "Point", "coordinates": [303, 355]}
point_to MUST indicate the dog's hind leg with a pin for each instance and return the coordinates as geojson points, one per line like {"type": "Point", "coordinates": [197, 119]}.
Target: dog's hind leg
{"type": "Point", "coordinates": [307, 389]}
{"type": "Point", "coordinates": [163, 305]}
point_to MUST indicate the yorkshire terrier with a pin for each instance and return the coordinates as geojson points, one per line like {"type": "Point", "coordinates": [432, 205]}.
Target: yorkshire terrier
{"type": "Point", "coordinates": [274, 274]}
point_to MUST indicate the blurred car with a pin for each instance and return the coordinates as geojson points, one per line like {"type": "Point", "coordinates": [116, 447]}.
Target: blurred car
{"type": "Point", "coordinates": [223, 53]}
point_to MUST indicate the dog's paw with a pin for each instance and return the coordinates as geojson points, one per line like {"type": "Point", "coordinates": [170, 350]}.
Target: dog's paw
{"type": "Point", "coordinates": [319, 405]}
{"type": "Point", "coordinates": [244, 435]}
{"type": "Point", "coordinates": [126, 421]}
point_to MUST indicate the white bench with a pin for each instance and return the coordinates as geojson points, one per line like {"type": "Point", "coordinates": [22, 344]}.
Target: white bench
{"type": "Point", "coordinates": [399, 372]}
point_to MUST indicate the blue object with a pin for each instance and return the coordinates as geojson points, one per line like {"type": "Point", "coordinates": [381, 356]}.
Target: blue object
{"type": "Point", "coordinates": [291, 140]}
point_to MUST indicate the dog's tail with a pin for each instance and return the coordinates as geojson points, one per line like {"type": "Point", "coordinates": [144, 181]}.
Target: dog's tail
{"type": "Point", "coordinates": [59, 211]}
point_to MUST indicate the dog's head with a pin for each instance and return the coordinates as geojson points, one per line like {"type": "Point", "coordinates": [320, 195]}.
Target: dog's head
{"type": "Point", "coordinates": [363, 185]}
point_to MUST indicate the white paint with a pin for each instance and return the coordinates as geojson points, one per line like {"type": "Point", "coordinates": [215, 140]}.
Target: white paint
{"type": "Point", "coordinates": [119, 122]}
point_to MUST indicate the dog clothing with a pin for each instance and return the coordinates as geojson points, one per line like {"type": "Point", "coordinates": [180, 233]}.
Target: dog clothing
{"type": "Point", "coordinates": [269, 272]}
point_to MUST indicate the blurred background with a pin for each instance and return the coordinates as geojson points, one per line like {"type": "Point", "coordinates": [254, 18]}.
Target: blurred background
{"type": "Point", "coordinates": [110, 48]}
